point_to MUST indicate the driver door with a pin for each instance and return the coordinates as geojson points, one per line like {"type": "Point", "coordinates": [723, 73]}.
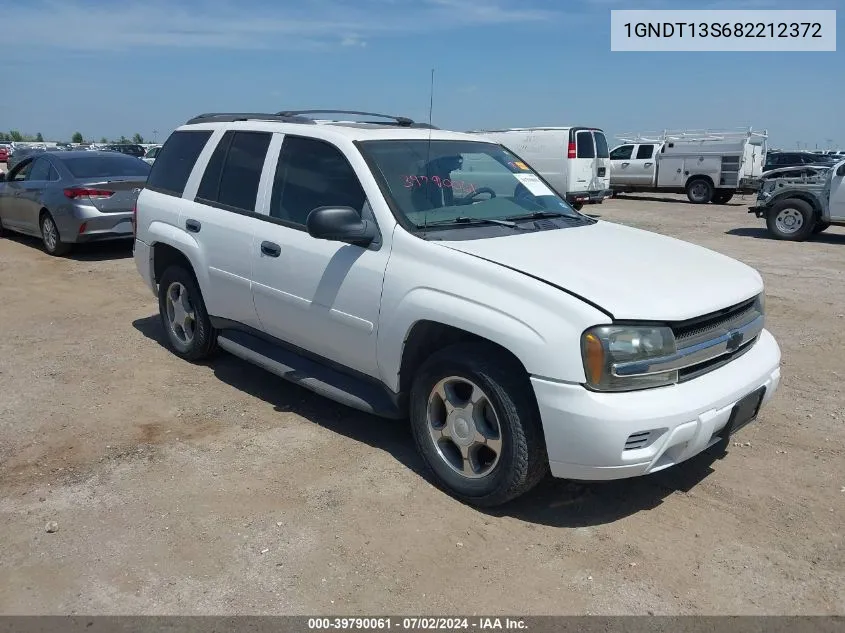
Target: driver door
{"type": "Point", "coordinates": [319, 295]}
{"type": "Point", "coordinates": [13, 204]}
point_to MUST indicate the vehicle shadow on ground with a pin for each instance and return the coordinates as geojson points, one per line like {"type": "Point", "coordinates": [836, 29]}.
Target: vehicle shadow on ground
{"type": "Point", "coordinates": [763, 234]}
{"type": "Point", "coordinates": [555, 502]}
{"type": "Point", "coordinates": [93, 252]}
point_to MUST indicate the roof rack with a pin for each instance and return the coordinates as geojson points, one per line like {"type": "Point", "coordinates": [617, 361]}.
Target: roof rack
{"type": "Point", "coordinates": [736, 134]}
{"type": "Point", "coordinates": [399, 120]}
{"type": "Point", "coordinates": [228, 117]}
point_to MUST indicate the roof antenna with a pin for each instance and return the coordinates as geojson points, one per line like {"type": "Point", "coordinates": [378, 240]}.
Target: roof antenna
{"type": "Point", "coordinates": [428, 148]}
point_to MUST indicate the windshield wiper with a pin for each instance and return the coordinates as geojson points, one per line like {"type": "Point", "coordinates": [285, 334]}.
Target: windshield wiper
{"type": "Point", "coordinates": [467, 220]}
{"type": "Point", "coordinates": [536, 215]}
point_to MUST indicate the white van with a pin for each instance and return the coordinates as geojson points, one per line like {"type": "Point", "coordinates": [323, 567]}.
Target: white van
{"type": "Point", "coordinates": [573, 160]}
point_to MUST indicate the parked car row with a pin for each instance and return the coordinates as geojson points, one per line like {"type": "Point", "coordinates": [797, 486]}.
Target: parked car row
{"type": "Point", "coordinates": [68, 197]}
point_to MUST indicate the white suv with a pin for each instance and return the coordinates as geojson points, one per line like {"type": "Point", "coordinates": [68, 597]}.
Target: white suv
{"type": "Point", "coordinates": [418, 273]}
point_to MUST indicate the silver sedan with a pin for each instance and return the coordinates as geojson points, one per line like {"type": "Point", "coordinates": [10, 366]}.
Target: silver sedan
{"type": "Point", "coordinates": [70, 197]}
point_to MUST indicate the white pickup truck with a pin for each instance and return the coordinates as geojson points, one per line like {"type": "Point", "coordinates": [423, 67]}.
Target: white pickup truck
{"type": "Point", "coordinates": [368, 263]}
{"type": "Point", "coordinates": [798, 202]}
{"type": "Point", "coordinates": [707, 166]}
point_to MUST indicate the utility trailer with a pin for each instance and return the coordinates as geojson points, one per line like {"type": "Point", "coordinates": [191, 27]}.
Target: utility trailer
{"type": "Point", "coordinates": [707, 165]}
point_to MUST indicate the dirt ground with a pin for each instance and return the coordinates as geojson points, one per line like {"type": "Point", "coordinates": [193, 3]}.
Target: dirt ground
{"type": "Point", "coordinates": [220, 489]}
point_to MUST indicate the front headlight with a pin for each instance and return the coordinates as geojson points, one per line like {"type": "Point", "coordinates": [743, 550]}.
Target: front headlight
{"type": "Point", "coordinates": [604, 346]}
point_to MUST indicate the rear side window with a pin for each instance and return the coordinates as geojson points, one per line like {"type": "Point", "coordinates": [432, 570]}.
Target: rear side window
{"type": "Point", "coordinates": [601, 144]}
{"type": "Point", "coordinates": [622, 153]}
{"type": "Point", "coordinates": [176, 160]}
{"type": "Point", "coordinates": [40, 169]}
{"type": "Point", "coordinates": [584, 145]}
{"type": "Point", "coordinates": [234, 170]}
{"type": "Point", "coordinates": [645, 151]}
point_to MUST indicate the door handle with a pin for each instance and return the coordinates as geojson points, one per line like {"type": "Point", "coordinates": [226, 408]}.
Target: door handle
{"type": "Point", "coordinates": [649, 164]}
{"type": "Point", "coordinates": [625, 164]}
{"type": "Point", "coordinates": [193, 226]}
{"type": "Point", "coordinates": [271, 249]}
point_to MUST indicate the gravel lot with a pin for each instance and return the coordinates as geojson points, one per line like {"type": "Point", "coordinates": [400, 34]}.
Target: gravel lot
{"type": "Point", "coordinates": [180, 488]}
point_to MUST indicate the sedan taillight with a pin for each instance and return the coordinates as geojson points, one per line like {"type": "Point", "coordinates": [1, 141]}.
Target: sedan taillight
{"type": "Point", "coordinates": [82, 192]}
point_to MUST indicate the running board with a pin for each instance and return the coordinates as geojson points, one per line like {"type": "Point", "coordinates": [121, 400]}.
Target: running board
{"type": "Point", "coordinates": [357, 393]}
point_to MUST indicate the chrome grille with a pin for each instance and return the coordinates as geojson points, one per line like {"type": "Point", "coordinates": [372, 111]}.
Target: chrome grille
{"type": "Point", "coordinates": [704, 328]}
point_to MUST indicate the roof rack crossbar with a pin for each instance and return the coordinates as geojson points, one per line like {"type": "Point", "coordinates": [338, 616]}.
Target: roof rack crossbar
{"type": "Point", "coordinates": [226, 117]}
{"type": "Point", "coordinates": [401, 120]}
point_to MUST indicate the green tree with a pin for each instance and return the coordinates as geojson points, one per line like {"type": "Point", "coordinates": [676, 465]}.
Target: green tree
{"type": "Point", "coordinates": [137, 138]}
{"type": "Point", "coordinates": [123, 139]}
{"type": "Point", "coordinates": [15, 136]}
{"type": "Point", "coordinates": [104, 140]}
{"type": "Point", "coordinates": [4, 137]}
{"type": "Point", "coordinates": [76, 138]}
{"type": "Point", "coordinates": [39, 138]}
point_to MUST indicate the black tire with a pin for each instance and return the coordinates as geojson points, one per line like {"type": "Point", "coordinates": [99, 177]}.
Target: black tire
{"type": "Point", "coordinates": [53, 244]}
{"type": "Point", "coordinates": [203, 342]}
{"type": "Point", "coordinates": [802, 214]}
{"type": "Point", "coordinates": [699, 191]}
{"type": "Point", "coordinates": [821, 227]}
{"type": "Point", "coordinates": [722, 197]}
{"type": "Point", "coordinates": [522, 461]}
{"type": "Point", "coordinates": [577, 205]}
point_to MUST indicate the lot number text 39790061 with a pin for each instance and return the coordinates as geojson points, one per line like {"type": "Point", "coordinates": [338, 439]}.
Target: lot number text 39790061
{"type": "Point", "coordinates": [416, 623]}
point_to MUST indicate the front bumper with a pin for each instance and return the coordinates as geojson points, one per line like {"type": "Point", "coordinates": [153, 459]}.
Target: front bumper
{"type": "Point", "coordinates": [588, 197]}
{"type": "Point", "coordinates": [586, 432]}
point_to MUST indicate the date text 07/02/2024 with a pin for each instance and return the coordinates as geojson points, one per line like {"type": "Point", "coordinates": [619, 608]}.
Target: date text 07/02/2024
{"type": "Point", "coordinates": [416, 623]}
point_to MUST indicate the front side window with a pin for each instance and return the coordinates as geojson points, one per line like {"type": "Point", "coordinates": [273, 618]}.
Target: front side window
{"type": "Point", "coordinates": [623, 152]}
{"type": "Point", "coordinates": [310, 174]}
{"type": "Point", "coordinates": [444, 181]}
{"type": "Point", "coordinates": [234, 170]}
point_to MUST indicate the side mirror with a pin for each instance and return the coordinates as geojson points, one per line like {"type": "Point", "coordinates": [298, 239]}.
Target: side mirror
{"type": "Point", "coordinates": [2, 176]}
{"type": "Point", "coordinates": [340, 224]}
{"type": "Point", "coordinates": [841, 170]}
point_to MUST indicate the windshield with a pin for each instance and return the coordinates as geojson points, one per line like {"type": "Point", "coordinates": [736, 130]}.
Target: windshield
{"type": "Point", "coordinates": [107, 166]}
{"type": "Point", "coordinates": [438, 182]}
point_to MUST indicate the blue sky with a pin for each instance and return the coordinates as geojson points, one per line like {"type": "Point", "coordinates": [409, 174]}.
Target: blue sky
{"type": "Point", "coordinates": [106, 67]}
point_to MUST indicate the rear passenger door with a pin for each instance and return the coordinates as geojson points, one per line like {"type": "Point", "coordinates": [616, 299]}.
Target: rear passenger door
{"type": "Point", "coordinates": [317, 295]}
{"type": "Point", "coordinates": [222, 217]}
{"type": "Point", "coordinates": [641, 169]}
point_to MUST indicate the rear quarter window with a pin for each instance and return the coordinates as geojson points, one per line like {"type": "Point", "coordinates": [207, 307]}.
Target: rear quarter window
{"type": "Point", "coordinates": [175, 161]}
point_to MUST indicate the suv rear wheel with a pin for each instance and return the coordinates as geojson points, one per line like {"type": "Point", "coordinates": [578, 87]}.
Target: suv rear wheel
{"type": "Point", "coordinates": [183, 315]}
{"type": "Point", "coordinates": [476, 424]}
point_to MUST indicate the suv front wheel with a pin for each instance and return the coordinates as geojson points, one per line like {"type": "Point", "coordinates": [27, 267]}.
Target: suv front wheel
{"type": "Point", "coordinates": [476, 424]}
{"type": "Point", "coordinates": [183, 315]}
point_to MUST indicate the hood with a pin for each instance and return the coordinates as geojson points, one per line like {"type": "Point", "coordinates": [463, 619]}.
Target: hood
{"type": "Point", "coordinates": [630, 273]}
